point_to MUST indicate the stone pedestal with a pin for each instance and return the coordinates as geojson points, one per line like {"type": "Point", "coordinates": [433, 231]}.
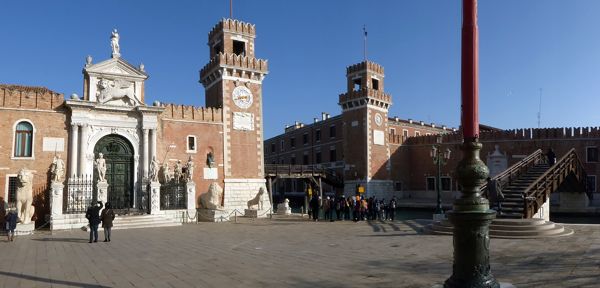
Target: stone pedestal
{"type": "Point", "coordinates": [102, 191]}
{"type": "Point", "coordinates": [212, 215]}
{"type": "Point", "coordinates": [154, 195]}
{"type": "Point", "coordinates": [190, 188]}
{"type": "Point", "coordinates": [253, 213]}
{"type": "Point", "coordinates": [25, 229]}
{"type": "Point", "coordinates": [56, 199]}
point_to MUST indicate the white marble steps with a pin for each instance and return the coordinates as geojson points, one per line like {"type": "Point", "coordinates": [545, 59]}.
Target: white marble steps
{"type": "Point", "coordinates": [143, 221]}
{"type": "Point", "coordinates": [510, 228]}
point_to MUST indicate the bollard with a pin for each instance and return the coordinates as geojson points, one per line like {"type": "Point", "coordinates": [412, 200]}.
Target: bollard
{"type": "Point", "coordinates": [235, 215]}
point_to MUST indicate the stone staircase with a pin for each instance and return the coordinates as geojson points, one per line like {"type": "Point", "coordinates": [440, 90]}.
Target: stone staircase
{"type": "Point", "coordinates": [144, 221]}
{"type": "Point", "coordinates": [509, 228]}
{"type": "Point", "coordinates": [513, 204]}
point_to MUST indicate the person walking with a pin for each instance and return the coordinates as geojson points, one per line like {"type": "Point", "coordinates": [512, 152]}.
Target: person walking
{"type": "Point", "coordinates": [494, 194]}
{"type": "Point", "coordinates": [327, 208]}
{"type": "Point", "coordinates": [11, 223]}
{"type": "Point", "coordinates": [551, 157]}
{"type": "Point", "coordinates": [93, 216]}
{"type": "Point", "coordinates": [107, 218]}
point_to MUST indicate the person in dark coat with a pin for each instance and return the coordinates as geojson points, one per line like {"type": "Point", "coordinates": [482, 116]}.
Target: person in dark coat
{"type": "Point", "coordinates": [93, 216]}
{"type": "Point", "coordinates": [494, 194]}
{"type": "Point", "coordinates": [551, 157]}
{"type": "Point", "coordinates": [314, 206]}
{"type": "Point", "coordinates": [107, 218]}
{"type": "Point", "coordinates": [11, 223]}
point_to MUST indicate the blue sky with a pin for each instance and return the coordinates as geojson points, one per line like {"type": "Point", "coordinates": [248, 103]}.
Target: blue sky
{"type": "Point", "coordinates": [524, 46]}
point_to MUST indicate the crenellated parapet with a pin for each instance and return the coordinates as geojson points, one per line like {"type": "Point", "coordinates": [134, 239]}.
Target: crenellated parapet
{"type": "Point", "coordinates": [365, 65]}
{"type": "Point", "coordinates": [364, 97]}
{"type": "Point", "coordinates": [29, 97]}
{"type": "Point", "coordinates": [525, 134]}
{"type": "Point", "coordinates": [192, 113]}
{"type": "Point", "coordinates": [233, 65]}
{"type": "Point", "coordinates": [233, 26]}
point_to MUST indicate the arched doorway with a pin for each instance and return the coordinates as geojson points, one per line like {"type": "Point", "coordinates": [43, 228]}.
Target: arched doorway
{"type": "Point", "coordinates": [118, 153]}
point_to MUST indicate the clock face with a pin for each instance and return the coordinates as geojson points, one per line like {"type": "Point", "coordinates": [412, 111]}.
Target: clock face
{"type": "Point", "coordinates": [378, 119]}
{"type": "Point", "coordinates": [242, 97]}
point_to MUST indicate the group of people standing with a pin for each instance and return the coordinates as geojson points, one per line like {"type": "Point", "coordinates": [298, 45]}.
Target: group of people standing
{"type": "Point", "coordinates": [95, 218]}
{"type": "Point", "coordinates": [356, 208]}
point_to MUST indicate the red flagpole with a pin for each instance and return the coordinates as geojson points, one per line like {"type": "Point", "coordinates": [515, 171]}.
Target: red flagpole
{"type": "Point", "coordinates": [470, 71]}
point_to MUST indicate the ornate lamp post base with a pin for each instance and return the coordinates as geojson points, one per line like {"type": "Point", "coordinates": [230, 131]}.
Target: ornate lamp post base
{"type": "Point", "coordinates": [471, 218]}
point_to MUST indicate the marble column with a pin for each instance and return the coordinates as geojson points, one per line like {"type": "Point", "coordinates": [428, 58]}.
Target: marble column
{"type": "Point", "coordinates": [145, 155]}
{"type": "Point", "coordinates": [73, 156]}
{"type": "Point", "coordinates": [83, 149]}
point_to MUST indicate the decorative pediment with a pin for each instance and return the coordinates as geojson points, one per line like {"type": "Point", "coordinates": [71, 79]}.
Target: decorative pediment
{"type": "Point", "coordinates": [116, 67]}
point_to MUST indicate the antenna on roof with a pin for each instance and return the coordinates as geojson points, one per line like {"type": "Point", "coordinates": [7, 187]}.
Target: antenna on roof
{"type": "Point", "coordinates": [365, 42]}
{"type": "Point", "coordinates": [539, 115]}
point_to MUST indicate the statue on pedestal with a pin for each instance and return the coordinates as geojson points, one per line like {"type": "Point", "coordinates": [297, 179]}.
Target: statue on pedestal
{"type": "Point", "coordinates": [25, 195]}
{"type": "Point", "coordinates": [256, 203]}
{"type": "Point", "coordinates": [210, 160]}
{"type": "Point", "coordinates": [154, 167]}
{"type": "Point", "coordinates": [190, 169]}
{"type": "Point", "coordinates": [166, 177]}
{"type": "Point", "coordinates": [100, 164]}
{"type": "Point", "coordinates": [212, 199]}
{"type": "Point", "coordinates": [114, 43]}
{"type": "Point", "coordinates": [57, 169]}
{"type": "Point", "coordinates": [177, 171]}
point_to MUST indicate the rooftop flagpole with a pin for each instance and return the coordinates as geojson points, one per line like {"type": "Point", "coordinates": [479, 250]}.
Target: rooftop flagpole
{"type": "Point", "coordinates": [365, 42]}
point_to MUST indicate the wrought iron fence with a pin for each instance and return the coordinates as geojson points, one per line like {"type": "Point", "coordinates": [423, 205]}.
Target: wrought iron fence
{"type": "Point", "coordinates": [173, 196]}
{"type": "Point", "coordinates": [80, 193]}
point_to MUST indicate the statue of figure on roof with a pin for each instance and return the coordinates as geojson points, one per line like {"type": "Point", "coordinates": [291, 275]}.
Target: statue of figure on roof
{"type": "Point", "coordinates": [114, 43]}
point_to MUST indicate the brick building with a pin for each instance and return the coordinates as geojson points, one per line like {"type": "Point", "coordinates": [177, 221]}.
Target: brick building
{"type": "Point", "coordinates": [390, 156]}
{"type": "Point", "coordinates": [112, 118]}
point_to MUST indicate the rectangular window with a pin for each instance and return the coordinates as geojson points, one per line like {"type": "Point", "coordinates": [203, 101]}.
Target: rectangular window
{"type": "Point", "coordinates": [305, 159]}
{"type": "Point", "coordinates": [591, 183]}
{"type": "Point", "coordinates": [218, 48]}
{"type": "Point", "coordinates": [318, 135]}
{"type": "Point", "coordinates": [375, 83]}
{"type": "Point", "coordinates": [239, 47]}
{"type": "Point", "coordinates": [417, 133]}
{"type": "Point", "coordinates": [446, 183]}
{"type": "Point", "coordinates": [23, 139]}
{"type": "Point", "coordinates": [12, 189]}
{"type": "Point", "coordinates": [305, 138]}
{"type": "Point", "coordinates": [430, 183]}
{"type": "Point", "coordinates": [282, 146]}
{"type": "Point", "coordinates": [357, 84]}
{"type": "Point", "coordinates": [392, 131]}
{"type": "Point", "coordinates": [332, 131]}
{"type": "Point", "coordinates": [398, 186]}
{"type": "Point", "coordinates": [332, 155]}
{"type": "Point", "coordinates": [318, 157]}
{"type": "Point", "coordinates": [293, 142]}
{"type": "Point", "coordinates": [272, 147]}
{"type": "Point", "coordinates": [592, 154]}
{"type": "Point", "coordinates": [191, 144]}
{"type": "Point", "coordinates": [293, 160]}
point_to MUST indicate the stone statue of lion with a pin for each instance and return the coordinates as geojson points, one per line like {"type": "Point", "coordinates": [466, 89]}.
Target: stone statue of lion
{"type": "Point", "coordinates": [25, 196]}
{"type": "Point", "coordinates": [212, 198]}
{"type": "Point", "coordinates": [257, 201]}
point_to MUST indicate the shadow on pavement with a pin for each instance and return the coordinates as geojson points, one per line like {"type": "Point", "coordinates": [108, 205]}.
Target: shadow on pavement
{"type": "Point", "coordinates": [71, 240]}
{"type": "Point", "coordinates": [48, 280]}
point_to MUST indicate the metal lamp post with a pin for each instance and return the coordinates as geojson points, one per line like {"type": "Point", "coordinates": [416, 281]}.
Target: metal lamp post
{"type": "Point", "coordinates": [440, 157]}
{"type": "Point", "coordinates": [471, 215]}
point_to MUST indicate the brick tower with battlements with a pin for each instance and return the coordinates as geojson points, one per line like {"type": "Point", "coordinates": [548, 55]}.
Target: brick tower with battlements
{"type": "Point", "coordinates": [233, 81]}
{"type": "Point", "coordinates": [365, 115]}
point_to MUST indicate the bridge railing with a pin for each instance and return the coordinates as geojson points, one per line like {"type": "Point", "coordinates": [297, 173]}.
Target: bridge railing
{"type": "Point", "coordinates": [519, 169]}
{"type": "Point", "coordinates": [537, 193]}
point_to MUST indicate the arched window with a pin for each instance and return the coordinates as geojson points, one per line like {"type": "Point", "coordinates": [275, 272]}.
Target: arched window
{"type": "Point", "coordinates": [23, 139]}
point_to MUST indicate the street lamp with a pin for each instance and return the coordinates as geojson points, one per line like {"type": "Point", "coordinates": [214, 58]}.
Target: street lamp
{"type": "Point", "coordinates": [440, 157]}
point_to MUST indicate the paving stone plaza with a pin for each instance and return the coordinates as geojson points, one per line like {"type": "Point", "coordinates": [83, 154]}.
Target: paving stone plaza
{"type": "Point", "coordinates": [287, 252]}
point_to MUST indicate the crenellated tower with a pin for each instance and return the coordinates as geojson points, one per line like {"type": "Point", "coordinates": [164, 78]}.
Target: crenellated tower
{"type": "Point", "coordinates": [365, 114]}
{"type": "Point", "coordinates": [233, 81]}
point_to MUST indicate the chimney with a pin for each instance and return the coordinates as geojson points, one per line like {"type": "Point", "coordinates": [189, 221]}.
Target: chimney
{"type": "Point", "coordinates": [316, 120]}
{"type": "Point", "coordinates": [323, 116]}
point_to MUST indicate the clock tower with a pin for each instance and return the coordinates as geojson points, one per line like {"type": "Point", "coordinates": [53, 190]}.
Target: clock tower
{"type": "Point", "coordinates": [233, 81]}
{"type": "Point", "coordinates": [365, 114]}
